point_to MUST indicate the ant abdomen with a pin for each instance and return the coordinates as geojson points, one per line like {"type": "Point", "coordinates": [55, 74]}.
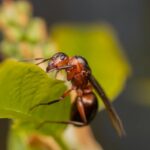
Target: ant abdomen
{"type": "Point", "coordinates": [89, 103]}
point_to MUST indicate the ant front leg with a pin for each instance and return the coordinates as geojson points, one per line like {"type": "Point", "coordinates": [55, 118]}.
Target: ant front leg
{"type": "Point", "coordinates": [75, 123]}
{"type": "Point", "coordinates": [54, 101]}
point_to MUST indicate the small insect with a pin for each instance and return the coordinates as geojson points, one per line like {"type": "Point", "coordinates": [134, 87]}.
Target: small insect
{"type": "Point", "coordinates": [85, 106]}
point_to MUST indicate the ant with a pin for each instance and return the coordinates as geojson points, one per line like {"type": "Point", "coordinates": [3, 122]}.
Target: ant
{"type": "Point", "coordinates": [85, 106]}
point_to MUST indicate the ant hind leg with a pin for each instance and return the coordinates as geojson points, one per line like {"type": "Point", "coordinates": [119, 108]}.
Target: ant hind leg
{"type": "Point", "coordinates": [75, 123]}
{"type": "Point", "coordinates": [41, 104]}
{"type": "Point", "coordinates": [54, 101]}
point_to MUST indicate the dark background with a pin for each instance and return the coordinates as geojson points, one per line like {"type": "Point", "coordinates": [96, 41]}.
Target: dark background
{"type": "Point", "coordinates": [131, 20]}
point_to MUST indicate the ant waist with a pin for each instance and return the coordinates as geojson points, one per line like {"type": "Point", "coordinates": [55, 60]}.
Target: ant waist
{"type": "Point", "coordinates": [83, 91]}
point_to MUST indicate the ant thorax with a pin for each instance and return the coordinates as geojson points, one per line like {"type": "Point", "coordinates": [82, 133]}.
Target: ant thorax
{"type": "Point", "coordinates": [79, 72]}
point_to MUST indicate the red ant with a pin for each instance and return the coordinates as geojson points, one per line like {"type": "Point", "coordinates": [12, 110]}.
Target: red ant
{"type": "Point", "coordinates": [85, 105]}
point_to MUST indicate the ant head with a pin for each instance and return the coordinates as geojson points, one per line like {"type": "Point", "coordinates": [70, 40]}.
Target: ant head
{"type": "Point", "coordinates": [57, 60]}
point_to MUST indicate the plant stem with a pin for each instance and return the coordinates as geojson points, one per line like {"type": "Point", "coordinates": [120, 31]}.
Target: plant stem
{"type": "Point", "coordinates": [43, 142]}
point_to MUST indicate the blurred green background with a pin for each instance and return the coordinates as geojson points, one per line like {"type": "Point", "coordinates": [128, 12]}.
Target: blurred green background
{"type": "Point", "coordinates": [131, 21]}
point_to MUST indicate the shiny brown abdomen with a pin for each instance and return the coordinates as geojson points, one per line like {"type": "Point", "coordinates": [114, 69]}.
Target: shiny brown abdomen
{"type": "Point", "coordinates": [90, 104]}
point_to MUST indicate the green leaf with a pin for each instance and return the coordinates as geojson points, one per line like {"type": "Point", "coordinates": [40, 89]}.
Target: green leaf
{"type": "Point", "coordinates": [17, 140]}
{"type": "Point", "coordinates": [23, 85]}
{"type": "Point", "coordinates": [99, 45]}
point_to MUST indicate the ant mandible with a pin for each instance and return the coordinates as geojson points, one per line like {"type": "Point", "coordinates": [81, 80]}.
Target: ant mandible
{"type": "Point", "coordinates": [85, 106]}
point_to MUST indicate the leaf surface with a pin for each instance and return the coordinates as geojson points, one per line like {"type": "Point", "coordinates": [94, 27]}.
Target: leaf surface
{"type": "Point", "coordinates": [23, 85]}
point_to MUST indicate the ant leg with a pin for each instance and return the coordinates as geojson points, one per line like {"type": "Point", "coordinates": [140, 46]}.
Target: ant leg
{"type": "Point", "coordinates": [56, 73]}
{"type": "Point", "coordinates": [54, 101]}
{"type": "Point", "coordinates": [75, 123]}
{"type": "Point", "coordinates": [81, 110]}
{"type": "Point", "coordinates": [80, 107]}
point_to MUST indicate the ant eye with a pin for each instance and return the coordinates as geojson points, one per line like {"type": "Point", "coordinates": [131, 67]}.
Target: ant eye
{"type": "Point", "coordinates": [62, 57]}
